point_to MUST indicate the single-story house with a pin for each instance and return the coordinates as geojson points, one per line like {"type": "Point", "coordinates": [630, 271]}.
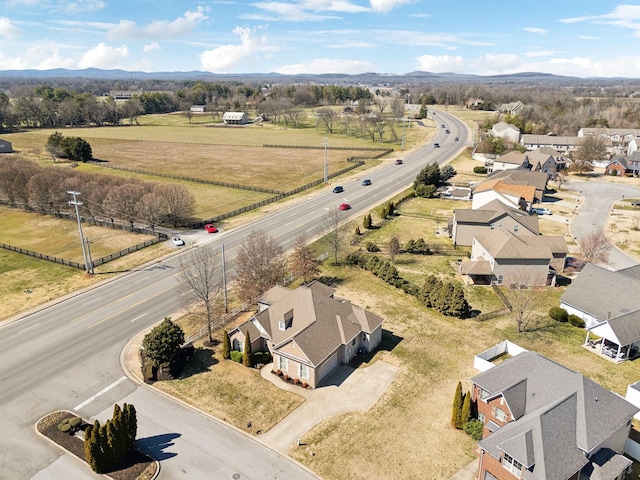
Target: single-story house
{"type": "Point", "coordinates": [5, 146]}
{"type": "Point", "coordinates": [197, 108]}
{"type": "Point", "coordinates": [543, 421]}
{"type": "Point", "coordinates": [467, 223]}
{"type": "Point", "coordinates": [308, 331]}
{"type": "Point", "coordinates": [609, 303]}
{"type": "Point", "coordinates": [505, 258]}
{"type": "Point", "coordinates": [234, 118]}
{"type": "Point", "coordinates": [506, 131]}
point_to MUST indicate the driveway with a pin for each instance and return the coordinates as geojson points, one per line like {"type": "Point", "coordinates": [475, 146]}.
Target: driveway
{"type": "Point", "coordinates": [593, 214]}
{"type": "Point", "coordinates": [345, 390]}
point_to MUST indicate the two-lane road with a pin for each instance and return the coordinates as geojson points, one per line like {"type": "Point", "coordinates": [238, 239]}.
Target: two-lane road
{"type": "Point", "coordinates": [66, 356]}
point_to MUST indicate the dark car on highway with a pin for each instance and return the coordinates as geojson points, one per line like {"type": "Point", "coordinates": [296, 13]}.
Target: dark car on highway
{"type": "Point", "coordinates": [338, 189]}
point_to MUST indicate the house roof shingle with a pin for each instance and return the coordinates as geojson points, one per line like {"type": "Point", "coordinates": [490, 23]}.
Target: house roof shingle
{"type": "Point", "coordinates": [501, 244]}
{"type": "Point", "coordinates": [495, 210]}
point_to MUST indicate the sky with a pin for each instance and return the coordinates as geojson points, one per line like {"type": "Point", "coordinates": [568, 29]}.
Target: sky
{"type": "Point", "coordinates": [584, 38]}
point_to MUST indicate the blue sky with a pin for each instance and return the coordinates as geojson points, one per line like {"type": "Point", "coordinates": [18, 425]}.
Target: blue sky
{"type": "Point", "coordinates": [567, 37]}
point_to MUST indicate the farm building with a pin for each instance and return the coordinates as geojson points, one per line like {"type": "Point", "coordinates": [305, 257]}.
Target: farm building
{"type": "Point", "coordinates": [5, 147]}
{"type": "Point", "coordinates": [234, 118]}
{"type": "Point", "coordinates": [197, 108]}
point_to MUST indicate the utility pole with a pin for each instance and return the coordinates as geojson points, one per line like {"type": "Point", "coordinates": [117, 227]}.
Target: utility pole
{"type": "Point", "coordinates": [325, 142]}
{"type": "Point", "coordinates": [224, 282]}
{"type": "Point", "coordinates": [402, 143]}
{"type": "Point", "coordinates": [89, 256]}
{"type": "Point", "coordinates": [76, 203]}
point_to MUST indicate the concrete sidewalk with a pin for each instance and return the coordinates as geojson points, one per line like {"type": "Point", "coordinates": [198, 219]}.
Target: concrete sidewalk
{"type": "Point", "coordinates": [467, 473]}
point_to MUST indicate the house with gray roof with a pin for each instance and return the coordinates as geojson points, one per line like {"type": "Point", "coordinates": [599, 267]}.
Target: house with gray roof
{"type": "Point", "coordinates": [609, 303]}
{"type": "Point", "coordinates": [502, 257]}
{"type": "Point", "coordinates": [308, 331]}
{"type": "Point", "coordinates": [561, 144]}
{"type": "Point", "coordinates": [506, 131]}
{"type": "Point", "coordinates": [543, 421]}
{"type": "Point", "coordinates": [467, 223]}
{"type": "Point", "coordinates": [5, 146]}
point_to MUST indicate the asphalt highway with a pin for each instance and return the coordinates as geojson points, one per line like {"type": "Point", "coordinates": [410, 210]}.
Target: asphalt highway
{"type": "Point", "coordinates": [66, 356]}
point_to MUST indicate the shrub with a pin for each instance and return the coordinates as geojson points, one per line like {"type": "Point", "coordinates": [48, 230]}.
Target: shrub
{"type": "Point", "coordinates": [262, 357]}
{"type": "Point", "coordinates": [456, 410]}
{"type": "Point", "coordinates": [366, 223]}
{"type": "Point", "coordinates": [372, 247]}
{"type": "Point", "coordinates": [236, 356]}
{"type": "Point", "coordinates": [474, 428]}
{"type": "Point", "coordinates": [226, 345]}
{"type": "Point", "coordinates": [558, 314]}
{"type": "Point", "coordinates": [426, 191]}
{"type": "Point", "coordinates": [576, 321]}
{"type": "Point", "coordinates": [75, 422]}
{"type": "Point", "coordinates": [357, 232]}
{"type": "Point", "coordinates": [480, 169]}
{"type": "Point", "coordinates": [64, 426]}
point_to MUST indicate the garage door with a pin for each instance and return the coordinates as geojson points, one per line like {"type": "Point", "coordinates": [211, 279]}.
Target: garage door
{"type": "Point", "coordinates": [326, 367]}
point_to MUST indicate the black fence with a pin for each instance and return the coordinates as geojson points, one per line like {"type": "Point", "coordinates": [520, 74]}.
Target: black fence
{"type": "Point", "coordinates": [42, 256]}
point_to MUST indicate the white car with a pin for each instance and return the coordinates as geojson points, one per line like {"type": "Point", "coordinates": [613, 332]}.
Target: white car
{"type": "Point", "coordinates": [177, 241]}
{"type": "Point", "coordinates": [541, 211]}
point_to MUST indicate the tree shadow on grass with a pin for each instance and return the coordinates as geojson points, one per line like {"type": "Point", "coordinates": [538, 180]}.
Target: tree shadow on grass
{"type": "Point", "coordinates": [155, 446]}
{"type": "Point", "coordinates": [201, 361]}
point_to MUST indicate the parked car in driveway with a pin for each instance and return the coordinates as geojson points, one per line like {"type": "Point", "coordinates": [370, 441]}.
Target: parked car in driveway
{"type": "Point", "coordinates": [338, 189]}
{"type": "Point", "coordinates": [177, 241]}
{"type": "Point", "coordinates": [210, 228]}
{"type": "Point", "coordinates": [541, 211]}
{"type": "Point", "coordinates": [366, 182]}
{"type": "Point", "coordinates": [344, 206]}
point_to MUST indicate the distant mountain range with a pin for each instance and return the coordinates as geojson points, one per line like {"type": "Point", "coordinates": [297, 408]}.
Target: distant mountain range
{"type": "Point", "coordinates": [370, 78]}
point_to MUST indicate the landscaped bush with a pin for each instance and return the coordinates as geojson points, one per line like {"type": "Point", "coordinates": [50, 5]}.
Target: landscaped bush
{"type": "Point", "coordinates": [558, 314]}
{"type": "Point", "coordinates": [262, 357]}
{"type": "Point", "coordinates": [576, 321]}
{"type": "Point", "coordinates": [480, 169]}
{"type": "Point", "coordinates": [371, 247]}
{"type": "Point", "coordinates": [474, 428]}
{"type": "Point", "coordinates": [236, 356]}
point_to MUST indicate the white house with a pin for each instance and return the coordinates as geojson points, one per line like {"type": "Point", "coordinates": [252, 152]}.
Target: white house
{"type": "Point", "coordinates": [506, 131]}
{"type": "Point", "coordinates": [235, 118]}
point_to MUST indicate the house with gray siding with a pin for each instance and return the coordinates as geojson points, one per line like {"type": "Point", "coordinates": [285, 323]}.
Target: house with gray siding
{"type": "Point", "coordinates": [5, 146]}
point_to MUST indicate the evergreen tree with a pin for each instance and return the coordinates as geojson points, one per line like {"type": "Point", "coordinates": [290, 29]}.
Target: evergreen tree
{"type": "Point", "coordinates": [247, 354]}
{"type": "Point", "coordinates": [163, 342]}
{"type": "Point", "coordinates": [366, 223]}
{"type": "Point", "coordinates": [121, 433]}
{"type": "Point", "coordinates": [391, 207]}
{"type": "Point", "coordinates": [456, 413]}
{"type": "Point", "coordinates": [226, 345]}
{"type": "Point", "coordinates": [458, 305]}
{"type": "Point", "coordinates": [131, 422]}
{"type": "Point", "coordinates": [443, 301]}
{"type": "Point", "coordinates": [465, 415]}
{"type": "Point", "coordinates": [92, 451]}
{"type": "Point", "coordinates": [113, 449]}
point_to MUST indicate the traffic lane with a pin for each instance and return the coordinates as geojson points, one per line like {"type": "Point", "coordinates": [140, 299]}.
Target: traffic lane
{"type": "Point", "coordinates": [194, 446]}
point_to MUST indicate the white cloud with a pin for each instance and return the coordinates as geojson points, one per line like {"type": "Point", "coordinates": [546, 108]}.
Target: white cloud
{"type": "Point", "coordinates": [225, 57]}
{"type": "Point", "coordinates": [625, 16]}
{"type": "Point", "coordinates": [150, 47]}
{"type": "Point", "coordinates": [41, 56]}
{"type": "Point", "coordinates": [159, 29]}
{"type": "Point", "coordinates": [587, 37]}
{"type": "Point", "coordinates": [496, 63]}
{"type": "Point", "coordinates": [28, 3]}
{"type": "Point", "coordinates": [537, 31]}
{"type": "Point", "coordinates": [7, 29]}
{"type": "Point", "coordinates": [343, 6]}
{"type": "Point", "coordinates": [440, 63]}
{"type": "Point", "coordinates": [355, 44]}
{"type": "Point", "coordinates": [419, 15]}
{"type": "Point", "coordinates": [327, 65]}
{"type": "Point", "coordinates": [84, 6]}
{"type": "Point", "coordinates": [540, 53]}
{"type": "Point", "coordinates": [104, 56]}
{"type": "Point", "coordinates": [289, 12]}
{"type": "Point", "coordinates": [386, 5]}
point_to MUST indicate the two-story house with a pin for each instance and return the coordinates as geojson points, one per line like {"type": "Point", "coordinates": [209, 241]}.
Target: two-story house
{"type": "Point", "coordinates": [543, 421]}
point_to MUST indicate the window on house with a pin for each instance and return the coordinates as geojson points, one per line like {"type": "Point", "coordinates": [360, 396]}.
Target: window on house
{"type": "Point", "coordinates": [512, 465]}
{"type": "Point", "coordinates": [493, 226]}
{"type": "Point", "coordinates": [304, 372]}
{"type": "Point", "coordinates": [515, 228]}
{"type": "Point", "coordinates": [481, 416]}
{"type": "Point", "coordinates": [501, 415]}
{"type": "Point", "coordinates": [240, 345]}
{"type": "Point", "coordinates": [284, 364]}
{"type": "Point", "coordinates": [281, 325]}
{"type": "Point", "coordinates": [483, 394]}
{"type": "Point", "coordinates": [353, 342]}
{"type": "Point", "coordinates": [500, 279]}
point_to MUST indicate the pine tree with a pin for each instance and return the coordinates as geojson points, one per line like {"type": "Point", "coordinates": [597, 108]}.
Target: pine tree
{"type": "Point", "coordinates": [458, 305]}
{"type": "Point", "coordinates": [121, 432]}
{"type": "Point", "coordinates": [456, 413]}
{"type": "Point", "coordinates": [465, 415]}
{"type": "Point", "coordinates": [93, 448]}
{"type": "Point", "coordinates": [226, 345]}
{"type": "Point", "coordinates": [247, 354]}
{"type": "Point", "coordinates": [112, 443]}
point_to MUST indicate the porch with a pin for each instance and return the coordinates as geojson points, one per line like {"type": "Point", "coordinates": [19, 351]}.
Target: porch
{"type": "Point", "coordinates": [610, 350]}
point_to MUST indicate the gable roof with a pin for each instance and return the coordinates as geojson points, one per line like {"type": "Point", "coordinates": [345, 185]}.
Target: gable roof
{"type": "Point", "coordinates": [522, 177]}
{"type": "Point", "coordinates": [504, 126]}
{"type": "Point", "coordinates": [564, 414]}
{"type": "Point", "coordinates": [501, 244]}
{"type": "Point", "coordinates": [315, 322]}
{"type": "Point", "coordinates": [495, 210]}
{"type": "Point", "coordinates": [521, 191]}
{"type": "Point", "coordinates": [617, 292]}
{"type": "Point", "coordinates": [513, 157]}
{"type": "Point", "coordinates": [620, 161]}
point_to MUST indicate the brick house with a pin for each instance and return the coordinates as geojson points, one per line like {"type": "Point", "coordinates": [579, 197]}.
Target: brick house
{"type": "Point", "coordinates": [308, 331]}
{"type": "Point", "coordinates": [618, 166]}
{"type": "Point", "coordinates": [544, 421]}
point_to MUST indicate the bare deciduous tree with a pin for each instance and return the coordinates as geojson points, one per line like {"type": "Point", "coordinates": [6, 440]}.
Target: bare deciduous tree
{"type": "Point", "coordinates": [259, 265]}
{"type": "Point", "coordinates": [325, 116]}
{"type": "Point", "coordinates": [524, 303]}
{"type": "Point", "coordinates": [201, 279]}
{"type": "Point", "coordinates": [591, 148]}
{"type": "Point", "coordinates": [302, 262]}
{"type": "Point", "coordinates": [178, 202]}
{"type": "Point", "coordinates": [595, 247]}
{"type": "Point", "coordinates": [333, 229]}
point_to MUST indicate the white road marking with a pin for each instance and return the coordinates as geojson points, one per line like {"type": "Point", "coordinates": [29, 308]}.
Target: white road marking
{"type": "Point", "coordinates": [91, 301]}
{"type": "Point", "coordinates": [141, 279]}
{"type": "Point", "coordinates": [187, 292]}
{"type": "Point", "coordinates": [139, 316]}
{"type": "Point", "coordinates": [29, 328]}
{"type": "Point", "coordinates": [101, 392]}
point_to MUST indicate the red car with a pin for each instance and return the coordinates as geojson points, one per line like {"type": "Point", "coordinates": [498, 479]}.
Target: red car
{"type": "Point", "coordinates": [210, 228]}
{"type": "Point", "coordinates": [344, 206]}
